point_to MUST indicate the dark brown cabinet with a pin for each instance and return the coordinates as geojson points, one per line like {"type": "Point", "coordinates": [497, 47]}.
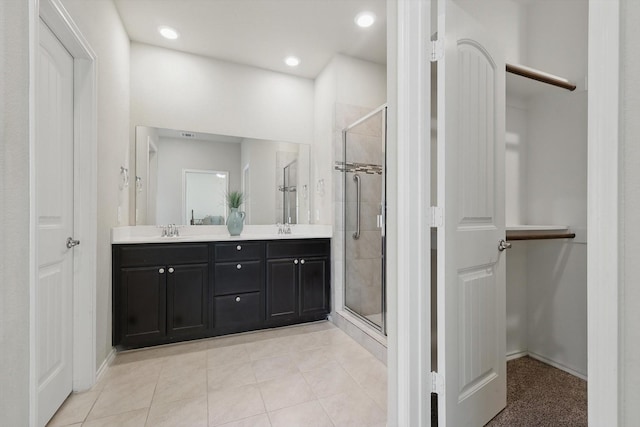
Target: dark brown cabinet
{"type": "Point", "coordinates": [238, 284]}
{"type": "Point", "coordinates": [142, 304]}
{"type": "Point", "coordinates": [165, 293]}
{"type": "Point", "coordinates": [160, 294]}
{"type": "Point", "coordinates": [187, 300]}
{"type": "Point", "coordinates": [297, 287]}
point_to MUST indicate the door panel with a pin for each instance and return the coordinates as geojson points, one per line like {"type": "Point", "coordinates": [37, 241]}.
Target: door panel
{"type": "Point", "coordinates": [54, 223]}
{"type": "Point", "coordinates": [143, 293]}
{"type": "Point", "coordinates": [471, 270]}
{"type": "Point", "coordinates": [282, 294]}
{"type": "Point", "coordinates": [314, 286]}
{"type": "Point", "coordinates": [188, 295]}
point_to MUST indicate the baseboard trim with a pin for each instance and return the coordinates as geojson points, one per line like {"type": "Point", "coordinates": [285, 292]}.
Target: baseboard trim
{"type": "Point", "coordinates": [558, 365]}
{"type": "Point", "coordinates": [105, 365]}
{"type": "Point", "coordinates": [517, 355]}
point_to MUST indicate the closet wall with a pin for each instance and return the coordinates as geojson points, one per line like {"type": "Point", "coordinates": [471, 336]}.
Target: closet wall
{"type": "Point", "coordinates": [545, 176]}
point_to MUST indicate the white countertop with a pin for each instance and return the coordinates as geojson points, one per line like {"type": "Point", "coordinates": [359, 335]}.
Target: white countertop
{"type": "Point", "coordinates": [216, 233]}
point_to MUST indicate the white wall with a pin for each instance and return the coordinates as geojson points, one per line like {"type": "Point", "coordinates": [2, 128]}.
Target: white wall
{"type": "Point", "coordinates": [557, 186]}
{"type": "Point", "coordinates": [507, 20]}
{"type": "Point", "coordinates": [175, 155]}
{"type": "Point", "coordinates": [100, 24]}
{"type": "Point", "coordinates": [344, 80]}
{"type": "Point", "coordinates": [630, 211]}
{"type": "Point", "coordinates": [206, 95]}
{"type": "Point", "coordinates": [516, 213]}
{"type": "Point", "coordinates": [14, 212]}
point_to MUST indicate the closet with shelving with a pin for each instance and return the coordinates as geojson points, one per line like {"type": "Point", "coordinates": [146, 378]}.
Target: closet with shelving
{"type": "Point", "coordinates": [546, 185]}
{"type": "Point", "coordinates": [545, 47]}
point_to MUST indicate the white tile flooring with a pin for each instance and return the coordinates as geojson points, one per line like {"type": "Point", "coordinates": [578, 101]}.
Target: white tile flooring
{"type": "Point", "coordinates": [300, 376]}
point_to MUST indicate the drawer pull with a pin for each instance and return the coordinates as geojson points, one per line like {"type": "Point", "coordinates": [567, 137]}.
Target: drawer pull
{"type": "Point", "coordinates": [237, 299]}
{"type": "Point", "coordinates": [301, 261]}
{"type": "Point", "coordinates": [238, 248]}
{"type": "Point", "coordinates": [161, 271]}
{"type": "Point", "coordinates": [295, 261]}
{"type": "Point", "coordinates": [171, 270]}
{"type": "Point", "coordinates": [239, 266]}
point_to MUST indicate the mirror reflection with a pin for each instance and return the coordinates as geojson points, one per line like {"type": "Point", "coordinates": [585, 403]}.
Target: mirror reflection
{"type": "Point", "coordinates": [182, 177]}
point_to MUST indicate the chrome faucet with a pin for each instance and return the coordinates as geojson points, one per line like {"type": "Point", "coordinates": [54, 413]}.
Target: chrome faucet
{"type": "Point", "coordinates": [170, 230]}
{"type": "Point", "coordinates": [284, 228]}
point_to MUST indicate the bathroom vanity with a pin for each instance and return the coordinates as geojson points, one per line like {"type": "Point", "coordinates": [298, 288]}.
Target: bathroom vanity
{"type": "Point", "coordinates": [168, 290]}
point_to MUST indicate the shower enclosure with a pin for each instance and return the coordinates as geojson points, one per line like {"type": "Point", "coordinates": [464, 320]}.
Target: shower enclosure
{"type": "Point", "coordinates": [288, 189]}
{"type": "Point", "coordinates": [364, 196]}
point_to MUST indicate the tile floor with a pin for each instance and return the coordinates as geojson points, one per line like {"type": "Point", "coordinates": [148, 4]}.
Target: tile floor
{"type": "Point", "coordinates": [300, 376]}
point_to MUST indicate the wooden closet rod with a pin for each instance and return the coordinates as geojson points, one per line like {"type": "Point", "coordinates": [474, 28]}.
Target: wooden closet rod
{"type": "Point", "coordinates": [540, 236]}
{"type": "Point", "coordinates": [540, 76]}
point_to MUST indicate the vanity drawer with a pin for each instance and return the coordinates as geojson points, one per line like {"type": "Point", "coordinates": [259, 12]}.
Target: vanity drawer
{"type": "Point", "coordinates": [238, 251]}
{"type": "Point", "coordinates": [237, 310]}
{"type": "Point", "coordinates": [297, 248]}
{"type": "Point", "coordinates": [237, 277]}
{"type": "Point", "coordinates": [154, 254]}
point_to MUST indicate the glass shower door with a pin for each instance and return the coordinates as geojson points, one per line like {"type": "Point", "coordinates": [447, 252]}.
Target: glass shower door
{"type": "Point", "coordinates": [364, 212]}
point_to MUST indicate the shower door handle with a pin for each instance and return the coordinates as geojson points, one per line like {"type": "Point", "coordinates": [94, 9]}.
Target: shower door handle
{"type": "Point", "coordinates": [356, 234]}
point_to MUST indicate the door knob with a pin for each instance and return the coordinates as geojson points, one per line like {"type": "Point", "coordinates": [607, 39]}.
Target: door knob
{"type": "Point", "coordinates": [161, 271]}
{"type": "Point", "coordinates": [295, 261]}
{"type": "Point", "coordinates": [503, 244]}
{"type": "Point", "coordinates": [171, 270]}
{"type": "Point", "coordinates": [301, 261]}
{"type": "Point", "coordinates": [239, 266]}
{"type": "Point", "coordinates": [71, 243]}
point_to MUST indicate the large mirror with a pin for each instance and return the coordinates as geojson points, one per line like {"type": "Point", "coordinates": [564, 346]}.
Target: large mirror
{"type": "Point", "coordinates": [182, 177]}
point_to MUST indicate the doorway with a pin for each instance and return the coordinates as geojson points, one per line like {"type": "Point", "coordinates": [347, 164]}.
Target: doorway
{"type": "Point", "coordinates": [67, 314]}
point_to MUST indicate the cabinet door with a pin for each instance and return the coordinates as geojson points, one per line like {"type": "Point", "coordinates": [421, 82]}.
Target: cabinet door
{"type": "Point", "coordinates": [142, 304]}
{"type": "Point", "coordinates": [187, 299]}
{"type": "Point", "coordinates": [314, 286]}
{"type": "Point", "coordinates": [282, 289]}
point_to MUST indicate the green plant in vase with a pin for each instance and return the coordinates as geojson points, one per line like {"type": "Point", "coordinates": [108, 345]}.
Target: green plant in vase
{"type": "Point", "coordinates": [235, 220]}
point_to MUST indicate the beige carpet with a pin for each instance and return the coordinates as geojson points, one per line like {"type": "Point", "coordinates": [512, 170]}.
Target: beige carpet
{"type": "Point", "coordinates": [540, 395]}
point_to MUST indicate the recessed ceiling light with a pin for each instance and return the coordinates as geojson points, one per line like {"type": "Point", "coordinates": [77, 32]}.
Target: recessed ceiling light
{"type": "Point", "coordinates": [365, 19]}
{"type": "Point", "coordinates": [168, 33]}
{"type": "Point", "coordinates": [292, 61]}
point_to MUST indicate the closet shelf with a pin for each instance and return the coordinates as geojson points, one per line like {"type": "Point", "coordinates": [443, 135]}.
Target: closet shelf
{"type": "Point", "coordinates": [528, 227]}
{"type": "Point", "coordinates": [541, 76]}
{"type": "Point", "coordinates": [538, 232]}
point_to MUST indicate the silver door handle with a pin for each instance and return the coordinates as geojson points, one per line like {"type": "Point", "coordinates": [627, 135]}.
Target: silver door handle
{"type": "Point", "coordinates": [356, 234]}
{"type": "Point", "coordinates": [503, 244]}
{"type": "Point", "coordinates": [71, 243]}
{"type": "Point", "coordinates": [171, 270]}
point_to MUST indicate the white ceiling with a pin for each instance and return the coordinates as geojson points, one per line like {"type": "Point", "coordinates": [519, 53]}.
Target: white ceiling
{"type": "Point", "coordinates": [261, 33]}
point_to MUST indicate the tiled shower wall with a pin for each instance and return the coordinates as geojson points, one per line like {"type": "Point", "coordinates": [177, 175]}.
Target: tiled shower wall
{"type": "Point", "coordinates": [363, 260]}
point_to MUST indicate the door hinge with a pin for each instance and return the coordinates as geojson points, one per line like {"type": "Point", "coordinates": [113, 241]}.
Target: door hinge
{"type": "Point", "coordinates": [437, 50]}
{"type": "Point", "coordinates": [437, 383]}
{"type": "Point", "coordinates": [436, 216]}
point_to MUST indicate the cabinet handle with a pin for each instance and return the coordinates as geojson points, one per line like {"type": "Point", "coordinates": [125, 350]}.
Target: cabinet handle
{"type": "Point", "coordinates": [238, 248]}
{"type": "Point", "coordinates": [301, 261]}
{"type": "Point", "coordinates": [171, 270]}
{"type": "Point", "coordinates": [239, 266]}
{"type": "Point", "coordinates": [161, 271]}
{"type": "Point", "coordinates": [295, 261]}
{"type": "Point", "coordinates": [237, 299]}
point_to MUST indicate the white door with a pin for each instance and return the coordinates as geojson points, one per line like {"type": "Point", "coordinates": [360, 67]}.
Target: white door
{"type": "Point", "coordinates": [471, 269]}
{"type": "Point", "coordinates": [54, 223]}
